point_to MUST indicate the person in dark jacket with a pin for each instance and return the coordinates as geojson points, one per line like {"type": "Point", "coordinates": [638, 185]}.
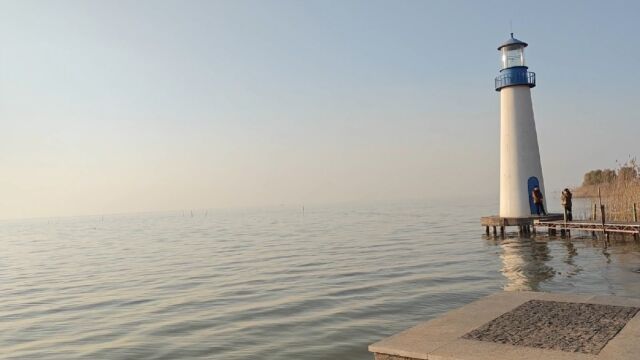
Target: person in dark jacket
{"type": "Point", "coordinates": [536, 194]}
{"type": "Point", "coordinates": [565, 198]}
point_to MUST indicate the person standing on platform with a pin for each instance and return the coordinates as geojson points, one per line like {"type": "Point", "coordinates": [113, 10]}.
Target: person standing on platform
{"type": "Point", "coordinates": [566, 203]}
{"type": "Point", "coordinates": [536, 194]}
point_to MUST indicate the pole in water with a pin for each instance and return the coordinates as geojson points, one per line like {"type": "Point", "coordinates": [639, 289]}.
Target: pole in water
{"type": "Point", "coordinates": [599, 197]}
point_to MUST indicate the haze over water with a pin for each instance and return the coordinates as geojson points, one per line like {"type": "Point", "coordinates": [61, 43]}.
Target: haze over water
{"type": "Point", "coordinates": [270, 283]}
{"type": "Point", "coordinates": [158, 105]}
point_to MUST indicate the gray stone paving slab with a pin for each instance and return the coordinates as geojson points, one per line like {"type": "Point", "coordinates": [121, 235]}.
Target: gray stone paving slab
{"type": "Point", "coordinates": [443, 338]}
{"type": "Point", "coordinates": [625, 345]}
{"type": "Point", "coordinates": [555, 325]}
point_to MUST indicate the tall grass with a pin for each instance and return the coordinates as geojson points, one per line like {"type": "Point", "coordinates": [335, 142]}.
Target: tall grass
{"type": "Point", "coordinates": [618, 196]}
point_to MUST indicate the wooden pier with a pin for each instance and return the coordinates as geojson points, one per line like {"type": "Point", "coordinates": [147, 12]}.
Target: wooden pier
{"type": "Point", "coordinates": [632, 228]}
{"type": "Point", "coordinates": [555, 222]}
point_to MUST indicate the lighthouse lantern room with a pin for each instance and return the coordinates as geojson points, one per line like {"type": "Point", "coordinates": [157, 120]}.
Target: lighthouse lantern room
{"type": "Point", "coordinates": [512, 55]}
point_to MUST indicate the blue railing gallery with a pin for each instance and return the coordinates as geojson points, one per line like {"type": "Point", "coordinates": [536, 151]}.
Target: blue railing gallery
{"type": "Point", "coordinates": [516, 78]}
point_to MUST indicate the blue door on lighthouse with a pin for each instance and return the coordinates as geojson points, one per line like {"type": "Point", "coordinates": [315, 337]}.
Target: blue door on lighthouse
{"type": "Point", "coordinates": [531, 184]}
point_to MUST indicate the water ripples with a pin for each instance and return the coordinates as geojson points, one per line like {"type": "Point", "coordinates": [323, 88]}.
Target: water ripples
{"type": "Point", "coordinates": [269, 284]}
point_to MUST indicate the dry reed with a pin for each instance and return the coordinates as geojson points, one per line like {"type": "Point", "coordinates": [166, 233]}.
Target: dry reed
{"type": "Point", "coordinates": [618, 197]}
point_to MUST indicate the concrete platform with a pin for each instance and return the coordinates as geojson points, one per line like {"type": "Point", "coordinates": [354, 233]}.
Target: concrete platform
{"type": "Point", "coordinates": [499, 327]}
{"type": "Point", "coordinates": [524, 223]}
{"type": "Point", "coordinates": [519, 221]}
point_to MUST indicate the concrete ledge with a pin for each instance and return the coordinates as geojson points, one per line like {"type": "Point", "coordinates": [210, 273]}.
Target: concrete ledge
{"type": "Point", "coordinates": [510, 221]}
{"type": "Point", "coordinates": [441, 338]}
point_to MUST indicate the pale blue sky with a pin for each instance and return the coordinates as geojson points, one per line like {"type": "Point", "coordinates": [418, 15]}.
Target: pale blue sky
{"type": "Point", "coordinates": [118, 106]}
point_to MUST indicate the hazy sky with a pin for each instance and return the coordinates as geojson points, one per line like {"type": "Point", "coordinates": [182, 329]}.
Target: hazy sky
{"type": "Point", "coordinates": [119, 106]}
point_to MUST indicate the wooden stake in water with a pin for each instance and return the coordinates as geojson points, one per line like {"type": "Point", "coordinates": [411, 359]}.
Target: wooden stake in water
{"type": "Point", "coordinates": [599, 197]}
{"type": "Point", "coordinates": [635, 219]}
{"type": "Point", "coordinates": [594, 216]}
{"type": "Point", "coordinates": [565, 221]}
{"type": "Point", "coordinates": [602, 214]}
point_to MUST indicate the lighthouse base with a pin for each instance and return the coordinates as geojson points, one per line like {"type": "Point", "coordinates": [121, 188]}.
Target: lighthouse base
{"type": "Point", "coordinates": [524, 224]}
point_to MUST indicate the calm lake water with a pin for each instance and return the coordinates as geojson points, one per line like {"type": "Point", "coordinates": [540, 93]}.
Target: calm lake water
{"type": "Point", "coordinates": [271, 283]}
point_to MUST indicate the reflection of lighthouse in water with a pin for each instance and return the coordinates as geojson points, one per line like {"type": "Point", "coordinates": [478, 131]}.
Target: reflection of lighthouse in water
{"type": "Point", "coordinates": [524, 264]}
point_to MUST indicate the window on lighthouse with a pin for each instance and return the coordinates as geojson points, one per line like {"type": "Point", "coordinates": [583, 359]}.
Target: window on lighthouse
{"type": "Point", "coordinates": [512, 56]}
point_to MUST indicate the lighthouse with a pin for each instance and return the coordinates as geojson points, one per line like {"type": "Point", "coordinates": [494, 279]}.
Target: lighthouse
{"type": "Point", "coordinates": [520, 167]}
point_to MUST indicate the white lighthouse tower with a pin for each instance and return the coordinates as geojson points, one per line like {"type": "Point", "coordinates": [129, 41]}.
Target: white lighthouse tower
{"type": "Point", "coordinates": [520, 168]}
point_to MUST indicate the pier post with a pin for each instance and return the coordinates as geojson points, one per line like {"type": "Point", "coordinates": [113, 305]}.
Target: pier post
{"type": "Point", "coordinates": [603, 216]}
{"type": "Point", "coordinates": [635, 219]}
{"type": "Point", "coordinates": [495, 232]}
{"type": "Point", "coordinates": [487, 230]}
{"type": "Point", "coordinates": [502, 231]}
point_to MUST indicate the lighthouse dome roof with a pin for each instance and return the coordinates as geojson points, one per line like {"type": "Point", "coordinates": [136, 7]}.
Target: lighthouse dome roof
{"type": "Point", "coordinates": [512, 41]}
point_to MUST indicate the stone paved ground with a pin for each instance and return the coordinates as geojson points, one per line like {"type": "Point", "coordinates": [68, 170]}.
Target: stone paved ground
{"type": "Point", "coordinates": [554, 325]}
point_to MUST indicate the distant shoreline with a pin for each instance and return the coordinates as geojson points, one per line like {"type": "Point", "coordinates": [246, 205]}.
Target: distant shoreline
{"type": "Point", "coordinates": [618, 188]}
